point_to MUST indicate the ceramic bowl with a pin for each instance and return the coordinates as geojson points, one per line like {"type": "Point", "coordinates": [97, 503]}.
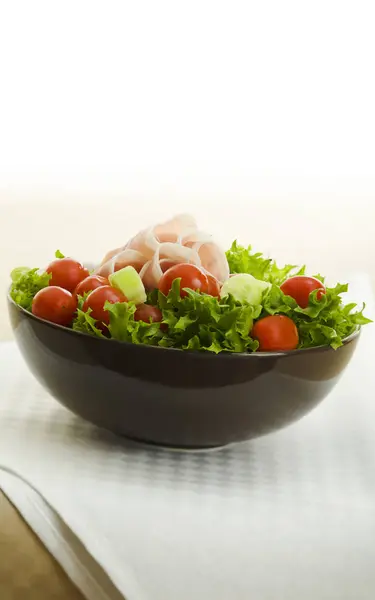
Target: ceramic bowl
{"type": "Point", "coordinates": [172, 397]}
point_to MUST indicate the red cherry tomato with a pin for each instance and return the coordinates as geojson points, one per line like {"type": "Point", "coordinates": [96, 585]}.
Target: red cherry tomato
{"type": "Point", "coordinates": [300, 287]}
{"type": "Point", "coordinates": [97, 298]}
{"type": "Point", "coordinates": [54, 304]}
{"type": "Point", "coordinates": [191, 277]}
{"type": "Point", "coordinates": [148, 313]}
{"type": "Point", "coordinates": [89, 284]}
{"type": "Point", "coordinates": [275, 333]}
{"type": "Point", "coordinates": [66, 273]}
{"type": "Point", "coordinates": [213, 285]}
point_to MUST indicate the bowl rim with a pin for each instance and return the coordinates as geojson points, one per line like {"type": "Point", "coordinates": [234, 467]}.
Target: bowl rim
{"type": "Point", "coordinates": [227, 355]}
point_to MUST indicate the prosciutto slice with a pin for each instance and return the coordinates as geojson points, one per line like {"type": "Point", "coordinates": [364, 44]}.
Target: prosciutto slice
{"type": "Point", "coordinates": [167, 255]}
{"type": "Point", "coordinates": [147, 241]}
{"type": "Point", "coordinates": [154, 250]}
{"type": "Point", "coordinates": [170, 231]}
{"type": "Point", "coordinates": [212, 257]}
{"type": "Point", "coordinates": [118, 259]}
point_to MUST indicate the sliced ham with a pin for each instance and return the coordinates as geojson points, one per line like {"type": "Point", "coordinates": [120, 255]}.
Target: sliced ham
{"type": "Point", "coordinates": [166, 263]}
{"type": "Point", "coordinates": [166, 255]}
{"type": "Point", "coordinates": [147, 241]}
{"type": "Point", "coordinates": [212, 257]}
{"type": "Point", "coordinates": [144, 242]}
{"type": "Point", "coordinates": [110, 255]}
{"type": "Point", "coordinates": [152, 251]}
{"type": "Point", "coordinates": [194, 236]}
{"type": "Point", "coordinates": [122, 259]}
{"type": "Point", "coordinates": [171, 230]}
{"type": "Point", "coordinates": [214, 260]}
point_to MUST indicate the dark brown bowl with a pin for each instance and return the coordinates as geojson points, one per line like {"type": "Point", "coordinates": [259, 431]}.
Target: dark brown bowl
{"type": "Point", "coordinates": [173, 397]}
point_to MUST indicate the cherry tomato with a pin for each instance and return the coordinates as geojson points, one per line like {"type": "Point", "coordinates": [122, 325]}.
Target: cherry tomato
{"type": "Point", "coordinates": [97, 298]}
{"type": "Point", "coordinates": [89, 284]}
{"type": "Point", "coordinates": [213, 285]}
{"type": "Point", "coordinates": [66, 273]}
{"type": "Point", "coordinates": [275, 333]}
{"type": "Point", "coordinates": [191, 277]}
{"type": "Point", "coordinates": [300, 287]}
{"type": "Point", "coordinates": [54, 304]}
{"type": "Point", "coordinates": [147, 313]}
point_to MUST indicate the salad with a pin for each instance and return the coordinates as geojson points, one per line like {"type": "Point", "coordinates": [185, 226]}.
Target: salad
{"type": "Point", "coordinates": [173, 286]}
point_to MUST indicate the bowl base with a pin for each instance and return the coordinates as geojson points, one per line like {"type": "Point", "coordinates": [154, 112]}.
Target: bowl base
{"type": "Point", "coordinates": [148, 445]}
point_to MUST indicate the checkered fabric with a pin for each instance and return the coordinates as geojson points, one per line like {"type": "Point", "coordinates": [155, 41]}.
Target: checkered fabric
{"type": "Point", "coordinates": [285, 517]}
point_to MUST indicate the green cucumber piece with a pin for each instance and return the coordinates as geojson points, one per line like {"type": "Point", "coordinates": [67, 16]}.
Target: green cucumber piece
{"type": "Point", "coordinates": [128, 281]}
{"type": "Point", "coordinates": [244, 288]}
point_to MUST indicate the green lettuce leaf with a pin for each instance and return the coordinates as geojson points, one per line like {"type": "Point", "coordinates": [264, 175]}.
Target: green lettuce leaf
{"type": "Point", "coordinates": [325, 321]}
{"type": "Point", "coordinates": [201, 322]}
{"type": "Point", "coordinates": [195, 322]}
{"type": "Point", "coordinates": [243, 260]}
{"type": "Point", "coordinates": [25, 284]}
{"type": "Point", "coordinates": [81, 299]}
{"type": "Point", "coordinates": [85, 323]}
{"type": "Point", "coordinates": [123, 326]}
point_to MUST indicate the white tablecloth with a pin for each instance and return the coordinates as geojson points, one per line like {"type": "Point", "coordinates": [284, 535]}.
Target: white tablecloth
{"type": "Point", "coordinates": [285, 517]}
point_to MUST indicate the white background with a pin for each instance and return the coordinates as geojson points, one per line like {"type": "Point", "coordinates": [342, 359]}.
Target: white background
{"type": "Point", "coordinates": [258, 117]}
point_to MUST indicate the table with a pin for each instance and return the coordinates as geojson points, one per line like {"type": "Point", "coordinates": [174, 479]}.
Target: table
{"type": "Point", "coordinates": [27, 570]}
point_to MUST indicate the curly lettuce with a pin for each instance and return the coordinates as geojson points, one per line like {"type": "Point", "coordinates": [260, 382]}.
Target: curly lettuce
{"type": "Point", "coordinates": [26, 283]}
{"type": "Point", "coordinates": [243, 260]}
{"type": "Point", "coordinates": [85, 323]}
{"type": "Point", "coordinates": [325, 321]}
{"type": "Point", "coordinates": [201, 322]}
{"type": "Point", "coordinates": [195, 322]}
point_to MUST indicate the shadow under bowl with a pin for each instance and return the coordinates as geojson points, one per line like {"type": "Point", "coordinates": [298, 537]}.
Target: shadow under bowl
{"type": "Point", "coordinates": [173, 397]}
